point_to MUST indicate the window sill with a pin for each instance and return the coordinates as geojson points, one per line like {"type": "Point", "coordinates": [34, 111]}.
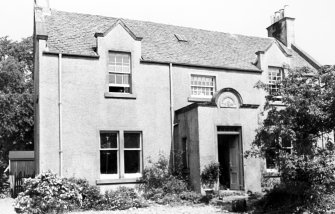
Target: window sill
{"type": "Point", "coordinates": [119, 95]}
{"type": "Point", "coordinates": [199, 99]}
{"type": "Point", "coordinates": [276, 103]}
{"type": "Point", "coordinates": [117, 181]}
{"type": "Point", "coordinates": [269, 173]}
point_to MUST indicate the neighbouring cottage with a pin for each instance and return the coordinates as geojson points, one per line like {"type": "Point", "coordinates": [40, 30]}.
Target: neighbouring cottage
{"type": "Point", "coordinates": [109, 93]}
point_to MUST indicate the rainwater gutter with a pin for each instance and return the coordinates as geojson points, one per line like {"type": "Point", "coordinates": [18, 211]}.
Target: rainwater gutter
{"type": "Point", "coordinates": [60, 128]}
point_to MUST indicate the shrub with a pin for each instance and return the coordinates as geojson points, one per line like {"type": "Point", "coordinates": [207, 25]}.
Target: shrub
{"type": "Point", "coordinates": [4, 185]}
{"type": "Point", "coordinates": [160, 184]}
{"type": "Point", "coordinates": [307, 184]}
{"type": "Point", "coordinates": [159, 178]}
{"type": "Point", "coordinates": [47, 193]}
{"type": "Point", "coordinates": [210, 174]}
{"type": "Point", "coordinates": [91, 196]}
{"type": "Point", "coordinates": [121, 199]}
{"type": "Point", "coordinates": [191, 196]}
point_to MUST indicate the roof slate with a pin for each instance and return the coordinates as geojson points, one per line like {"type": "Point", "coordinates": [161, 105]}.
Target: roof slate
{"type": "Point", "coordinates": [73, 33]}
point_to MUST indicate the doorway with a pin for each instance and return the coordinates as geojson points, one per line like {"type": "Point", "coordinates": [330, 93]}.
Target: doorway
{"type": "Point", "coordinates": [230, 159]}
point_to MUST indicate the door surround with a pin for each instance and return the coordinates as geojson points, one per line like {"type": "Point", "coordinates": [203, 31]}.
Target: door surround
{"type": "Point", "coordinates": [237, 131]}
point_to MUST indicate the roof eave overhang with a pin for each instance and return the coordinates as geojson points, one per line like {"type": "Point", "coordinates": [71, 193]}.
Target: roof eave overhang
{"type": "Point", "coordinates": [307, 57]}
{"type": "Point", "coordinates": [202, 66]}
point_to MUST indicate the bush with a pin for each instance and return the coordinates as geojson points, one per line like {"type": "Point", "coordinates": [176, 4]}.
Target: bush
{"type": "Point", "coordinates": [191, 196]}
{"type": "Point", "coordinates": [47, 193]}
{"type": "Point", "coordinates": [4, 185]}
{"type": "Point", "coordinates": [90, 195]}
{"type": "Point", "coordinates": [121, 199]}
{"type": "Point", "coordinates": [210, 174]}
{"type": "Point", "coordinates": [160, 184]}
{"type": "Point", "coordinates": [307, 184]}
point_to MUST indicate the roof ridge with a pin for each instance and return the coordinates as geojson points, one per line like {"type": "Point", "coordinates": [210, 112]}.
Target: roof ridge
{"type": "Point", "coordinates": [157, 23]}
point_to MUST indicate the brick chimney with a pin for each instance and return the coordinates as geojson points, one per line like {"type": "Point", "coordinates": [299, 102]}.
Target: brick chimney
{"type": "Point", "coordinates": [282, 26]}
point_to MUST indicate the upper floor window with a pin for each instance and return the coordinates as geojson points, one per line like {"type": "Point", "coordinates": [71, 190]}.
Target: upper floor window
{"type": "Point", "coordinates": [202, 86]}
{"type": "Point", "coordinates": [276, 75]}
{"type": "Point", "coordinates": [119, 72]}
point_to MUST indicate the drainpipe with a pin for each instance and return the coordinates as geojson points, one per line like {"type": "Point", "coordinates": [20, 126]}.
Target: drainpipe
{"type": "Point", "coordinates": [60, 113]}
{"type": "Point", "coordinates": [171, 112]}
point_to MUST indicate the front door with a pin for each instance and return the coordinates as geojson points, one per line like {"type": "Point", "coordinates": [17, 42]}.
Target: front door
{"type": "Point", "coordinates": [234, 163]}
{"type": "Point", "coordinates": [230, 161]}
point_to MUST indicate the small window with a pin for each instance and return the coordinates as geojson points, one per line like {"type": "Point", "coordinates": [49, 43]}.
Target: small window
{"type": "Point", "coordinates": [181, 38]}
{"type": "Point", "coordinates": [202, 86]}
{"type": "Point", "coordinates": [119, 72]}
{"type": "Point", "coordinates": [276, 75]}
{"type": "Point", "coordinates": [115, 150]}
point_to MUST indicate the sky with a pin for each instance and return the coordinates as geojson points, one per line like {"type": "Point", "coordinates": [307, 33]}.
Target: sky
{"type": "Point", "coordinates": [314, 23]}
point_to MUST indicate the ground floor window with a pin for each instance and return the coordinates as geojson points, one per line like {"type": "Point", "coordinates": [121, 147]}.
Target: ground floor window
{"type": "Point", "coordinates": [120, 154]}
{"type": "Point", "coordinates": [271, 155]}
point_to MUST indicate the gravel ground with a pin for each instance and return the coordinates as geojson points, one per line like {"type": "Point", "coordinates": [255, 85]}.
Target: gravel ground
{"type": "Point", "coordinates": [195, 209]}
{"type": "Point", "coordinates": [6, 206]}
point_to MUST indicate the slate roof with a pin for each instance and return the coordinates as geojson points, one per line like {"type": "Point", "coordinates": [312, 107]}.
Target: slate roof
{"type": "Point", "coordinates": [73, 33]}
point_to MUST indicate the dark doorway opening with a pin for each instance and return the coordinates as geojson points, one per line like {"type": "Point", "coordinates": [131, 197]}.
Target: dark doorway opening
{"type": "Point", "coordinates": [229, 156]}
{"type": "Point", "coordinates": [223, 149]}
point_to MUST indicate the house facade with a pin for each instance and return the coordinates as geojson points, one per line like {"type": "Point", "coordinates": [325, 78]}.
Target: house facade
{"type": "Point", "coordinates": [110, 93]}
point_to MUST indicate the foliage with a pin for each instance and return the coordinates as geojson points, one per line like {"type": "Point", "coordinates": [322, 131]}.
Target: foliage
{"type": "Point", "coordinates": [16, 95]}
{"type": "Point", "coordinates": [47, 193]}
{"type": "Point", "coordinates": [16, 99]}
{"type": "Point", "coordinates": [90, 195]}
{"type": "Point", "coordinates": [191, 196]}
{"type": "Point", "coordinates": [160, 184]}
{"type": "Point", "coordinates": [306, 122]}
{"type": "Point", "coordinates": [210, 174]}
{"type": "Point", "coordinates": [4, 185]}
{"type": "Point", "coordinates": [121, 199]}
{"type": "Point", "coordinates": [159, 179]}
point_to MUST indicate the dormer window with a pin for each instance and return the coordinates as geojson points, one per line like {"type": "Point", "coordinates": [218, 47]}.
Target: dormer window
{"type": "Point", "coordinates": [119, 72]}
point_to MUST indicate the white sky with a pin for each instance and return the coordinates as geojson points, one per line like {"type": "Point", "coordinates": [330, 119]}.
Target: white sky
{"type": "Point", "coordinates": [314, 24]}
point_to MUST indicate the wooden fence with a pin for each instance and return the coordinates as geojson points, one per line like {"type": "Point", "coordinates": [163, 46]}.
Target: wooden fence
{"type": "Point", "coordinates": [16, 182]}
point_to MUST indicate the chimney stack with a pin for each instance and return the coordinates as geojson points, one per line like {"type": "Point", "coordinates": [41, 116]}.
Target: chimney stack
{"type": "Point", "coordinates": [282, 26]}
{"type": "Point", "coordinates": [42, 3]}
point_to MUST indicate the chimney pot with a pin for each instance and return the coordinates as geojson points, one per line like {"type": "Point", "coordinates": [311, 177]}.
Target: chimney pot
{"type": "Point", "coordinates": [287, 11]}
{"type": "Point", "coordinates": [281, 12]}
{"type": "Point", "coordinates": [282, 27]}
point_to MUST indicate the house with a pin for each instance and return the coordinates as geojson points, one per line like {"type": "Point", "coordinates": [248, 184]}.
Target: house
{"type": "Point", "coordinates": [109, 93]}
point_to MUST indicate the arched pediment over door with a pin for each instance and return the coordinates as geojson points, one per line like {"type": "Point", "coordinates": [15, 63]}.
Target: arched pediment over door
{"type": "Point", "coordinates": [227, 98]}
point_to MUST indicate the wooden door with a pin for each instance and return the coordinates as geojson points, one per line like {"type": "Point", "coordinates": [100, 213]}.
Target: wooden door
{"type": "Point", "coordinates": [234, 162]}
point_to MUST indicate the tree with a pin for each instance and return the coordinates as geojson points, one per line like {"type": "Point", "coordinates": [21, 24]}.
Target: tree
{"type": "Point", "coordinates": [16, 96]}
{"type": "Point", "coordinates": [306, 122]}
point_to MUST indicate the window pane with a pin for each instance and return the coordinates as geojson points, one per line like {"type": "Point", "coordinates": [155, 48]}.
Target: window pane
{"type": "Point", "coordinates": [108, 162]}
{"type": "Point", "coordinates": [108, 140]}
{"type": "Point", "coordinates": [119, 79]}
{"type": "Point", "coordinates": [132, 140]}
{"type": "Point", "coordinates": [270, 156]}
{"type": "Point", "coordinates": [112, 78]}
{"type": "Point", "coordinates": [132, 161]}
